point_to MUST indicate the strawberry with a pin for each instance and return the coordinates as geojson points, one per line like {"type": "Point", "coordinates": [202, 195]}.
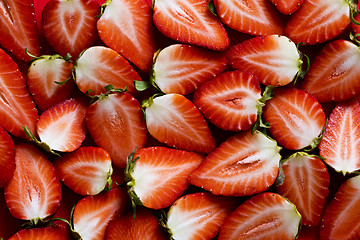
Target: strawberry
{"type": "Point", "coordinates": [230, 100]}
{"type": "Point", "coordinates": [70, 26]}
{"type": "Point", "coordinates": [86, 170]}
{"type": "Point", "coordinates": [287, 7]}
{"type": "Point", "coordinates": [334, 74]}
{"type": "Point", "coordinates": [34, 193]}
{"type": "Point", "coordinates": [174, 120]}
{"type": "Point", "coordinates": [7, 159]}
{"type": "Point", "coordinates": [181, 68]}
{"type": "Point", "coordinates": [306, 184]}
{"type": "Point", "coordinates": [100, 66]}
{"type": "Point", "coordinates": [255, 17]}
{"type": "Point", "coordinates": [295, 117]}
{"type": "Point", "coordinates": [126, 26]}
{"type": "Point", "coordinates": [356, 27]}
{"type": "Point", "coordinates": [263, 216]}
{"type": "Point", "coordinates": [167, 171]}
{"type": "Point", "coordinates": [244, 164]}
{"type": "Point", "coordinates": [43, 233]}
{"type": "Point", "coordinates": [274, 60]}
{"type": "Point", "coordinates": [190, 21]}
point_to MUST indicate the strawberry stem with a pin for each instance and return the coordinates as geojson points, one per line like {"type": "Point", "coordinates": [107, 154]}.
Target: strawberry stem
{"type": "Point", "coordinates": [267, 95]}
{"type": "Point", "coordinates": [353, 10]}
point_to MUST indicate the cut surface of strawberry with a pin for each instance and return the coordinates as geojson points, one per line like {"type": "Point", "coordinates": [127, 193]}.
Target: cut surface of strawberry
{"type": "Point", "coordinates": [7, 158]}
{"type": "Point", "coordinates": [42, 233]}
{"type": "Point", "coordinates": [287, 7]}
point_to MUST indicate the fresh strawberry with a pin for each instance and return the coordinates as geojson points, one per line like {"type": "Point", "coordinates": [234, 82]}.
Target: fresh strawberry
{"type": "Point", "coordinates": [7, 158]}
{"type": "Point", "coordinates": [43, 233]}
{"type": "Point", "coordinates": [306, 184]}
{"type": "Point", "coordinates": [174, 120]}
{"type": "Point", "coordinates": [70, 26]}
{"type": "Point", "coordinates": [17, 108]}
{"type": "Point", "coordinates": [244, 164]}
{"type": "Point", "coordinates": [230, 100]}
{"type": "Point", "coordinates": [287, 7]}
{"type": "Point", "coordinates": [126, 26]}
{"type": "Point", "coordinates": [198, 216]}
{"type": "Point", "coordinates": [34, 193]}
{"type": "Point", "coordinates": [274, 60]}
{"type": "Point", "coordinates": [190, 21]}
{"type": "Point", "coordinates": [308, 233]}
{"type": "Point", "coordinates": [100, 66]}
{"type": "Point", "coordinates": [356, 27]}
{"type": "Point", "coordinates": [295, 117]}
{"type": "Point", "coordinates": [263, 216]}
{"type": "Point", "coordinates": [49, 80]}
{"type": "Point", "coordinates": [18, 28]}
{"type": "Point", "coordinates": [181, 68]}
{"type": "Point", "coordinates": [255, 17]}
{"type": "Point", "coordinates": [334, 74]}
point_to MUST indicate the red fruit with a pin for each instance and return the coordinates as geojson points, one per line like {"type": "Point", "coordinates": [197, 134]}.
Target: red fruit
{"type": "Point", "coordinates": [7, 158]}
{"type": "Point", "coordinates": [264, 216]}
{"type": "Point", "coordinates": [255, 17]}
{"type": "Point", "coordinates": [287, 7]}
{"type": "Point", "coordinates": [181, 68]}
{"type": "Point", "coordinates": [230, 100]}
{"type": "Point", "coordinates": [190, 21]}
{"type": "Point", "coordinates": [296, 118]}
{"type": "Point", "coordinates": [244, 164]}
{"type": "Point", "coordinates": [43, 233]}
{"type": "Point", "coordinates": [70, 26]}
{"type": "Point", "coordinates": [334, 74]}
{"type": "Point", "coordinates": [126, 26]}
{"type": "Point", "coordinates": [356, 27]}
{"type": "Point", "coordinates": [34, 192]}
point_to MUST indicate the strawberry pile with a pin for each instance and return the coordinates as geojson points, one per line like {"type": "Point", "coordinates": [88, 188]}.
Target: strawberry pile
{"type": "Point", "coordinates": [180, 119]}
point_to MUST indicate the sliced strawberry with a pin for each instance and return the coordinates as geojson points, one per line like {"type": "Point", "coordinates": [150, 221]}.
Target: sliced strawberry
{"type": "Point", "coordinates": [244, 164]}
{"type": "Point", "coordinates": [264, 216]}
{"type": "Point", "coordinates": [198, 215]}
{"type": "Point", "coordinates": [34, 192]}
{"type": "Point", "coordinates": [295, 117]}
{"type": "Point", "coordinates": [174, 120]}
{"type": "Point", "coordinates": [229, 101]}
{"type": "Point", "coordinates": [273, 59]}
{"type": "Point", "coordinates": [306, 184]}
{"type": "Point", "coordinates": [181, 68]}
{"type": "Point", "coordinates": [334, 74]}
{"type": "Point", "coordinates": [190, 21]}
{"type": "Point", "coordinates": [100, 66]}
{"type": "Point", "coordinates": [255, 17]}
{"type": "Point", "coordinates": [287, 7]}
{"type": "Point", "coordinates": [43, 233]}
{"type": "Point", "coordinates": [126, 26]}
{"type": "Point", "coordinates": [7, 158]}
{"type": "Point", "coordinates": [70, 26]}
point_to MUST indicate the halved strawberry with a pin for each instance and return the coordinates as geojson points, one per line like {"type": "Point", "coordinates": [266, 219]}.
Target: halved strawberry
{"type": "Point", "coordinates": [229, 101]}
{"type": "Point", "coordinates": [126, 26]}
{"type": "Point", "coordinates": [287, 7]}
{"type": "Point", "coordinates": [43, 233]}
{"type": "Point", "coordinates": [190, 21]}
{"type": "Point", "coordinates": [334, 74]}
{"type": "Point", "coordinates": [263, 216]}
{"type": "Point", "coordinates": [70, 26]}
{"type": "Point", "coordinates": [306, 184]}
{"type": "Point", "coordinates": [255, 17]}
{"type": "Point", "coordinates": [295, 117]}
{"type": "Point", "coordinates": [274, 59]}
{"type": "Point", "coordinates": [7, 158]}
{"type": "Point", "coordinates": [181, 68]}
{"type": "Point", "coordinates": [244, 164]}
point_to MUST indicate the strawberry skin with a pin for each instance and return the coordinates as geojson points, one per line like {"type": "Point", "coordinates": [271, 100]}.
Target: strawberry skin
{"type": "Point", "coordinates": [7, 158]}
{"type": "Point", "coordinates": [287, 7]}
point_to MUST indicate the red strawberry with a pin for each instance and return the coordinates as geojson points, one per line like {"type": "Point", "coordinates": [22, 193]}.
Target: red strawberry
{"type": "Point", "coordinates": [43, 233]}
{"type": "Point", "coordinates": [174, 120]}
{"type": "Point", "coordinates": [190, 21]}
{"type": "Point", "coordinates": [126, 26]}
{"type": "Point", "coordinates": [85, 171]}
{"type": "Point", "coordinates": [43, 76]}
{"type": "Point", "coordinates": [287, 7]}
{"type": "Point", "coordinates": [229, 100]}
{"type": "Point", "coordinates": [244, 164]}
{"type": "Point", "coordinates": [70, 26]}
{"type": "Point", "coordinates": [255, 17]}
{"type": "Point", "coordinates": [296, 118]}
{"type": "Point", "coordinates": [18, 28]}
{"type": "Point", "coordinates": [273, 59]}
{"type": "Point", "coordinates": [356, 27]}
{"type": "Point", "coordinates": [198, 216]}
{"type": "Point", "coordinates": [100, 66]}
{"type": "Point", "coordinates": [7, 158]}
{"type": "Point", "coordinates": [306, 184]}
{"type": "Point", "coordinates": [181, 68]}
{"type": "Point", "coordinates": [264, 216]}
{"type": "Point", "coordinates": [34, 193]}
{"type": "Point", "coordinates": [334, 74]}
{"type": "Point", "coordinates": [157, 176]}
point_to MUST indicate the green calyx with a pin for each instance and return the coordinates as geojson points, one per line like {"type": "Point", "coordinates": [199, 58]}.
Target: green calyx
{"type": "Point", "coordinates": [110, 89]}
{"type": "Point", "coordinates": [354, 10]}
{"type": "Point", "coordinates": [301, 73]}
{"type": "Point", "coordinates": [267, 95]}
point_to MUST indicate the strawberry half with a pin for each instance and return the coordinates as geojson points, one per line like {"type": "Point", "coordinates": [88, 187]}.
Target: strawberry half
{"type": "Point", "coordinates": [244, 164]}
{"type": "Point", "coordinates": [7, 158]}
{"type": "Point", "coordinates": [263, 216]}
{"type": "Point", "coordinates": [287, 7]}
{"type": "Point", "coordinates": [43, 233]}
{"type": "Point", "coordinates": [274, 60]}
{"type": "Point", "coordinates": [190, 21]}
